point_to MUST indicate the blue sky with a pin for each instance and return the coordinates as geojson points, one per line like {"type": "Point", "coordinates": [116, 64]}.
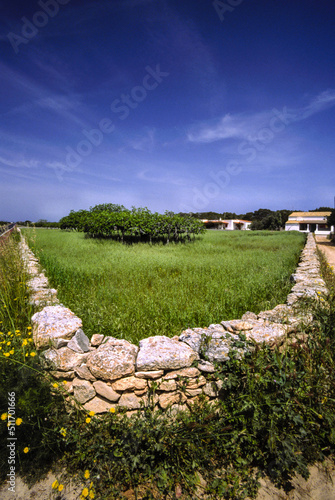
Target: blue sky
{"type": "Point", "coordinates": [176, 105]}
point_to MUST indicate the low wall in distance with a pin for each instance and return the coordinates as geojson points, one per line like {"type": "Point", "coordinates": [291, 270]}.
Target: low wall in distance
{"type": "Point", "coordinates": [106, 372]}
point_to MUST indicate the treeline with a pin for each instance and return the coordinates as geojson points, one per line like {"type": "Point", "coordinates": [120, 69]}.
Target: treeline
{"type": "Point", "coordinates": [138, 224]}
{"type": "Point", "coordinates": [261, 219]}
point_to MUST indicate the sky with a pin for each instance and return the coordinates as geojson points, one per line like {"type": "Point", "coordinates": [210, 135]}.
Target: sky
{"type": "Point", "coordinates": [179, 105]}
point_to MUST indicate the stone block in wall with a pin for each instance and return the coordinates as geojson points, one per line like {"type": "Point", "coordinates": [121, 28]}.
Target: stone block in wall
{"type": "Point", "coordinates": [169, 398]}
{"type": "Point", "coordinates": [106, 391]}
{"type": "Point", "coordinates": [98, 405]}
{"type": "Point", "coordinates": [150, 375]}
{"type": "Point", "coordinates": [191, 372]}
{"type": "Point", "coordinates": [237, 325]}
{"type": "Point", "coordinates": [54, 322]}
{"type": "Point", "coordinates": [268, 333]}
{"type": "Point", "coordinates": [130, 401]}
{"type": "Point", "coordinates": [129, 383]}
{"type": "Point", "coordinates": [58, 343]}
{"type": "Point", "coordinates": [79, 342]}
{"type": "Point", "coordinates": [162, 353]}
{"type": "Point", "coordinates": [62, 359]}
{"type": "Point", "coordinates": [206, 366]}
{"type": "Point", "coordinates": [83, 372]}
{"type": "Point", "coordinates": [83, 390]}
{"type": "Point", "coordinates": [97, 339]}
{"type": "Point", "coordinates": [196, 383]}
{"type": "Point", "coordinates": [113, 360]}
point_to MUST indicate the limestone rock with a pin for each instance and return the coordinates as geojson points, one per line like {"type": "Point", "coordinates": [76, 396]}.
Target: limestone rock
{"type": "Point", "coordinates": [183, 372]}
{"type": "Point", "coordinates": [83, 390]}
{"type": "Point", "coordinates": [237, 325]}
{"type": "Point", "coordinates": [249, 316]}
{"type": "Point", "coordinates": [129, 400]}
{"type": "Point", "coordinates": [162, 353]}
{"type": "Point", "coordinates": [167, 385]}
{"type": "Point", "coordinates": [113, 360]}
{"type": "Point", "coordinates": [129, 383]}
{"type": "Point", "coordinates": [206, 366]}
{"type": "Point", "coordinates": [98, 405]}
{"type": "Point", "coordinates": [54, 322]}
{"type": "Point", "coordinates": [58, 343]}
{"type": "Point", "coordinates": [150, 375]}
{"type": "Point", "coordinates": [97, 339]}
{"type": "Point", "coordinates": [64, 375]}
{"type": "Point", "coordinates": [106, 391]}
{"type": "Point", "coordinates": [62, 359]}
{"type": "Point", "coordinates": [83, 372]}
{"type": "Point", "coordinates": [79, 342]}
{"type": "Point", "coordinates": [169, 399]}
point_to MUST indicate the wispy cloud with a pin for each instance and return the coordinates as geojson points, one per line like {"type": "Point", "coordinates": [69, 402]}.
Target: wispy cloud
{"type": "Point", "coordinates": [242, 125]}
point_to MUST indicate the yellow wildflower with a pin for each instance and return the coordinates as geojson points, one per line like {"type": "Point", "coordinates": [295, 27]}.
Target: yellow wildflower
{"type": "Point", "coordinates": [85, 493]}
{"type": "Point", "coordinates": [91, 413]}
{"type": "Point", "coordinates": [91, 495]}
{"type": "Point", "coordinates": [24, 342]}
{"type": "Point", "coordinates": [11, 351]}
{"type": "Point", "coordinates": [6, 354]}
{"type": "Point", "coordinates": [4, 416]}
{"type": "Point", "coordinates": [26, 449]}
{"type": "Point", "coordinates": [112, 410]}
{"type": "Point", "coordinates": [18, 421]}
{"type": "Point", "coordinates": [63, 432]}
{"type": "Point", "coordinates": [88, 420]}
{"type": "Point", "coordinates": [17, 331]}
{"type": "Point", "coordinates": [28, 327]}
{"type": "Point", "coordinates": [8, 343]}
{"type": "Point", "coordinates": [55, 485]}
{"type": "Point", "coordinates": [87, 474]}
{"type": "Point", "coordinates": [32, 354]}
{"type": "Point", "coordinates": [60, 487]}
{"type": "Point", "coordinates": [55, 385]}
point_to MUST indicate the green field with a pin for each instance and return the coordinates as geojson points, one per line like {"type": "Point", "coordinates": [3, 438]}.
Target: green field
{"type": "Point", "coordinates": [135, 291]}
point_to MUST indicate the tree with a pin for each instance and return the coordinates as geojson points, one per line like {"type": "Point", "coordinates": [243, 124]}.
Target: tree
{"type": "Point", "coordinates": [331, 218]}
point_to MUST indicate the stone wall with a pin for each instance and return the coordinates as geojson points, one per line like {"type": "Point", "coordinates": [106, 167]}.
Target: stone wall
{"type": "Point", "coordinates": [107, 372]}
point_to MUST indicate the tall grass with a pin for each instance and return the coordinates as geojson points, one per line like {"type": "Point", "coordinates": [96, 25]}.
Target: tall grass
{"type": "Point", "coordinates": [136, 291]}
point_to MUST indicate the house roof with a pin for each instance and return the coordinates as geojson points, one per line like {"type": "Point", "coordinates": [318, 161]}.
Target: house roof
{"type": "Point", "coordinates": [309, 214]}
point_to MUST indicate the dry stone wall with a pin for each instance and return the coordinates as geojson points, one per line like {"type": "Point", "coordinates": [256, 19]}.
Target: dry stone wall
{"type": "Point", "coordinates": [106, 372]}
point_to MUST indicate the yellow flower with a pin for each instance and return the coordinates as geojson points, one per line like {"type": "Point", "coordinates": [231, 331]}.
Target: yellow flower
{"type": "Point", "coordinates": [55, 385]}
{"type": "Point", "coordinates": [63, 432]}
{"type": "Point", "coordinates": [87, 474]}
{"type": "Point", "coordinates": [91, 494]}
{"type": "Point", "coordinates": [30, 340]}
{"type": "Point", "coordinates": [27, 354]}
{"type": "Point", "coordinates": [88, 420]}
{"type": "Point", "coordinates": [112, 410]}
{"type": "Point", "coordinates": [8, 343]}
{"type": "Point", "coordinates": [85, 493]}
{"type": "Point", "coordinates": [28, 327]}
{"type": "Point", "coordinates": [17, 331]}
{"type": "Point", "coordinates": [64, 382]}
{"type": "Point", "coordinates": [4, 416]}
{"type": "Point", "coordinates": [324, 400]}
{"type": "Point", "coordinates": [6, 354]}
{"type": "Point", "coordinates": [91, 413]}
{"type": "Point", "coordinates": [18, 421]}
{"type": "Point", "coordinates": [55, 485]}
{"type": "Point", "coordinates": [26, 449]}
{"type": "Point", "coordinates": [24, 342]}
{"type": "Point", "coordinates": [11, 351]}
{"type": "Point", "coordinates": [32, 354]}
{"type": "Point", "coordinates": [60, 487]}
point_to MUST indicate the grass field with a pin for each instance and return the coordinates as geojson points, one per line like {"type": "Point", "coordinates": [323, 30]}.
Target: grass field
{"type": "Point", "coordinates": [135, 291]}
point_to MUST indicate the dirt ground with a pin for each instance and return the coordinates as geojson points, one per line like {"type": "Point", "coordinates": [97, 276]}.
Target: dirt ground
{"type": "Point", "coordinates": [319, 486]}
{"type": "Point", "coordinates": [328, 249]}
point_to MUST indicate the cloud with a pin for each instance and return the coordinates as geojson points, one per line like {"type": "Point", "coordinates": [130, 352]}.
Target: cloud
{"type": "Point", "coordinates": [242, 126]}
{"type": "Point", "coordinates": [20, 163]}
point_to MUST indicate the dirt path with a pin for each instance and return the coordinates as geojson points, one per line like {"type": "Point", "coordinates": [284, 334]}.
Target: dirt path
{"type": "Point", "coordinates": [328, 249]}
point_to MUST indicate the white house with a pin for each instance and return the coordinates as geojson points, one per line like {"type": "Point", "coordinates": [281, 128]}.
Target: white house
{"type": "Point", "coordinates": [227, 225]}
{"type": "Point", "coordinates": [309, 222]}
